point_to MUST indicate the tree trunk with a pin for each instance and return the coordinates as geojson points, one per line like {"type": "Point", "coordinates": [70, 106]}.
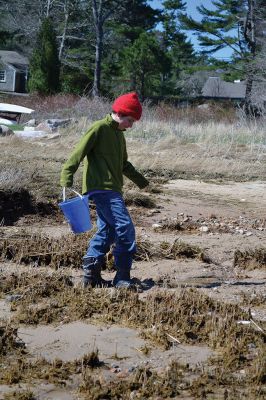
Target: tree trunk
{"type": "Point", "coordinates": [133, 82]}
{"type": "Point", "coordinates": [62, 44]}
{"type": "Point", "coordinates": [250, 36]}
{"type": "Point", "coordinates": [142, 86]}
{"type": "Point", "coordinates": [98, 62]}
{"type": "Point", "coordinates": [48, 7]}
{"type": "Point", "coordinates": [248, 100]}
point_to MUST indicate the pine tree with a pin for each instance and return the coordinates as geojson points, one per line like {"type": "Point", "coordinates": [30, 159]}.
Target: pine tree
{"type": "Point", "coordinates": [221, 27]}
{"type": "Point", "coordinates": [136, 17]}
{"type": "Point", "coordinates": [175, 44]}
{"type": "Point", "coordinates": [237, 24]}
{"type": "Point", "coordinates": [111, 18]}
{"type": "Point", "coordinates": [145, 62]}
{"type": "Point", "coordinates": [45, 65]}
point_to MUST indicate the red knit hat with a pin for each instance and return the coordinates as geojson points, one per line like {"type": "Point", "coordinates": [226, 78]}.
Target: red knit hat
{"type": "Point", "coordinates": [128, 104]}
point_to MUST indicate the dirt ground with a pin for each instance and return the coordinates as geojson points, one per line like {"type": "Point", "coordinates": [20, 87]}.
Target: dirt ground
{"type": "Point", "coordinates": [241, 207]}
{"type": "Point", "coordinates": [218, 218]}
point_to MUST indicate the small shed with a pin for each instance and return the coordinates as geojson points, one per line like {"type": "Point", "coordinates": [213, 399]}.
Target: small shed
{"type": "Point", "coordinates": [216, 88]}
{"type": "Point", "coordinates": [13, 72]}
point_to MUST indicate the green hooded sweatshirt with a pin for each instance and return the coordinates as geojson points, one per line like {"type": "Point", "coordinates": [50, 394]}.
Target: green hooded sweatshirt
{"type": "Point", "coordinates": [103, 148]}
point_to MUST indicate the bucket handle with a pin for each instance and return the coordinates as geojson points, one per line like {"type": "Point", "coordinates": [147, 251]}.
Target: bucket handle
{"type": "Point", "coordinates": [64, 193]}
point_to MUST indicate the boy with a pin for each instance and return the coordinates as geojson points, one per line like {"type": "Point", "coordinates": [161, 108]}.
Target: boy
{"type": "Point", "coordinates": [104, 149]}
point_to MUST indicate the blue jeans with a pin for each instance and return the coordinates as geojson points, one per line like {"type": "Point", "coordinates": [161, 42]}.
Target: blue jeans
{"type": "Point", "coordinates": [114, 227]}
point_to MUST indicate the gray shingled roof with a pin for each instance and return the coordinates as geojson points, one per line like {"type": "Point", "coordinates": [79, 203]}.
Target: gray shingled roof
{"type": "Point", "coordinates": [13, 58]}
{"type": "Point", "coordinates": [216, 87]}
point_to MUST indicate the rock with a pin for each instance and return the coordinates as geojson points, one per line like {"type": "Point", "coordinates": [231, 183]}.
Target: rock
{"type": "Point", "coordinates": [29, 128]}
{"type": "Point", "coordinates": [56, 123]}
{"type": "Point", "coordinates": [152, 212]}
{"type": "Point", "coordinates": [5, 131]}
{"type": "Point", "coordinates": [203, 106]}
{"type": "Point", "coordinates": [20, 343]}
{"type": "Point", "coordinates": [249, 233]}
{"type": "Point", "coordinates": [115, 370]}
{"type": "Point", "coordinates": [53, 136]}
{"type": "Point", "coordinates": [51, 125]}
{"type": "Point", "coordinates": [122, 374]}
{"type": "Point", "coordinates": [29, 134]}
{"type": "Point", "coordinates": [204, 229]}
{"type": "Point", "coordinates": [13, 297]}
{"type": "Point", "coordinates": [43, 126]}
{"type": "Point", "coordinates": [156, 226]}
{"type": "Point", "coordinates": [31, 122]}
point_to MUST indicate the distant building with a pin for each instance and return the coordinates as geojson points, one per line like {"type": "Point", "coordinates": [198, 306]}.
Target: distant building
{"type": "Point", "coordinates": [13, 71]}
{"type": "Point", "coordinates": [216, 88]}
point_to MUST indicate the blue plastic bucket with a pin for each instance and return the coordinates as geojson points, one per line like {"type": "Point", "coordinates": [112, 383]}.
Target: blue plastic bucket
{"type": "Point", "coordinates": [77, 212]}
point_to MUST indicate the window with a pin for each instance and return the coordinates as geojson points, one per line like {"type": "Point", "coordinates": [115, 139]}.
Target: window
{"type": "Point", "coordinates": [2, 76]}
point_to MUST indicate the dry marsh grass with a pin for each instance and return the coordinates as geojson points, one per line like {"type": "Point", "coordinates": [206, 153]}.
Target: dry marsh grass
{"type": "Point", "coordinates": [20, 395]}
{"type": "Point", "coordinates": [187, 315]}
{"type": "Point", "coordinates": [143, 384]}
{"type": "Point", "coordinates": [168, 142]}
{"type": "Point", "coordinates": [67, 251]}
{"type": "Point", "coordinates": [134, 198]}
{"type": "Point", "coordinates": [191, 316]}
{"type": "Point", "coordinates": [43, 251]}
{"type": "Point", "coordinates": [56, 371]}
{"type": "Point", "coordinates": [250, 259]}
{"type": "Point", "coordinates": [9, 341]}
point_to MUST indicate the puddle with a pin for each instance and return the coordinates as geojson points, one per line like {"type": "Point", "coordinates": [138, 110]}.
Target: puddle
{"type": "Point", "coordinates": [115, 344]}
{"type": "Point", "coordinates": [71, 341]}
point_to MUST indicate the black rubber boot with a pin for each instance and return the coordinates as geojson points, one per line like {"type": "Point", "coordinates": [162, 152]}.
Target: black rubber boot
{"type": "Point", "coordinates": [122, 280]}
{"type": "Point", "coordinates": [92, 273]}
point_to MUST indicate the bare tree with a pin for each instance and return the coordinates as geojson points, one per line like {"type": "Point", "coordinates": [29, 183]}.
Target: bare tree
{"type": "Point", "coordinates": [66, 26]}
{"type": "Point", "coordinates": [254, 31]}
{"type": "Point", "coordinates": [24, 18]}
{"type": "Point", "coordinates": [102, 11]}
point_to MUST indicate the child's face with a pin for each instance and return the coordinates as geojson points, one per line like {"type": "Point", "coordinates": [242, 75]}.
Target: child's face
{"type": "Point", "coordinates": [125, 121]}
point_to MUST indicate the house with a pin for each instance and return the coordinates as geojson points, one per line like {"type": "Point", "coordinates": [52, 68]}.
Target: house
{"type": "Point", "coordinates": [13, 72]}
{"type": "Point", "coordinates": [216, 88]}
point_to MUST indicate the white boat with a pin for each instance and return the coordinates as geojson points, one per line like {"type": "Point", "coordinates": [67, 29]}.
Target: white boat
{"type": "Point", "coordinates": [10, 113]}
{"type": "Point", "coordinates": [5, 121]}
{"type": "Point", "coordinates": [4, 107]}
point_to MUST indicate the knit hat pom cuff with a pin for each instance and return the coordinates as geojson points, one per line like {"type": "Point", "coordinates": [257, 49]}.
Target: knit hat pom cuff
{"type": "Point", "coordinates": [128, 104]}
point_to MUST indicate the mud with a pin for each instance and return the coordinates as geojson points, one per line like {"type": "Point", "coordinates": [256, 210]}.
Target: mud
{"type": "Point", "coordinates": [204, 307]}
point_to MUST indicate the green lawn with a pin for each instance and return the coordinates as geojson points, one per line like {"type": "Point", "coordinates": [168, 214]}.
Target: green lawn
{"type": "Point", "coordinates": [15, 127]}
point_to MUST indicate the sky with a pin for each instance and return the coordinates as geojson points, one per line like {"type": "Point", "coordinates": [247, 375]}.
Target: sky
{"type": "Point", "coordinates": [192, 11]}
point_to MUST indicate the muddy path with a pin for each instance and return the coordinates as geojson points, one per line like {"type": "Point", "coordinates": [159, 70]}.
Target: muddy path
{"type": "Point", "coordinates": [220, 220]}
{"type": "Point", "coordinates": [222, 199]}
